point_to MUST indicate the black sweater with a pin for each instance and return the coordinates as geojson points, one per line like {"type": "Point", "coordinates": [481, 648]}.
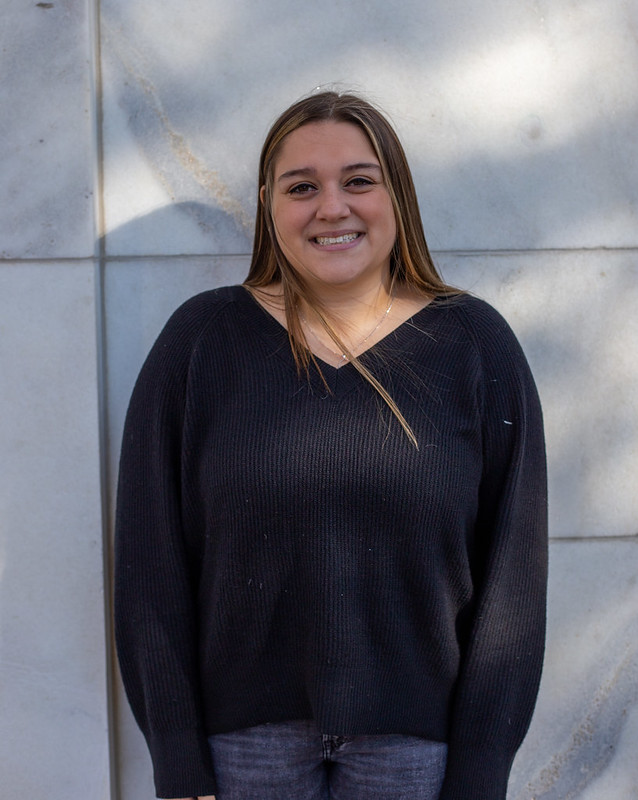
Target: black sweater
{"type": "Point", "coordinates": [284, 552]}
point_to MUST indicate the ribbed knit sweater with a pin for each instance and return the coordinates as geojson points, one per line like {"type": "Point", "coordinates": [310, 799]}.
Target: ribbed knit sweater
{"type": "Point", "coordinates": [284, 552]}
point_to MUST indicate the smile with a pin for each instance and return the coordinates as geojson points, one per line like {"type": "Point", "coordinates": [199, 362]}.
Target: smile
{"type": "Point", "coordinates": [346, 237]}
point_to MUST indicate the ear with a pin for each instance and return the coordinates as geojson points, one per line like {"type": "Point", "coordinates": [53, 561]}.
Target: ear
{"type": "Point", "coordinates": [262, 195]}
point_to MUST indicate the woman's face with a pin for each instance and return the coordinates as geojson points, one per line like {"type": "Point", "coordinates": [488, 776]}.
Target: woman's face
{"type": "Point", "coordinates": [332, 212]}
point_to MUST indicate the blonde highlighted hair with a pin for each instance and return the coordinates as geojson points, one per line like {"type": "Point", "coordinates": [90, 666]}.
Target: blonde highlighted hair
{"type": "Point", "coordinates": [411, 264]}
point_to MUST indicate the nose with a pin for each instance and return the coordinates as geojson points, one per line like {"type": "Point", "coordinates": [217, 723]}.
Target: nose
{"type": "Point", "coordinates": [333, 203]}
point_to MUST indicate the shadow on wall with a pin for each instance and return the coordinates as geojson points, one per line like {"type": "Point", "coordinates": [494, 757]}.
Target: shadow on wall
{"type": "Point", "coordinates": [214, 229]}
{"type": "Point", "coordinates": [510, 114]}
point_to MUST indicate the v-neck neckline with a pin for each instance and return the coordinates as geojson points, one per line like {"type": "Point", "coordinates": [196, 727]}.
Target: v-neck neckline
{"type": "Point", "coordinates": [340, 380]}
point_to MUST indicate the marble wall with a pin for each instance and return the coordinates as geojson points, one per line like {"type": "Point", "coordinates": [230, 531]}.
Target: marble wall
{"type": "Point", "coordinates": [128, 152]}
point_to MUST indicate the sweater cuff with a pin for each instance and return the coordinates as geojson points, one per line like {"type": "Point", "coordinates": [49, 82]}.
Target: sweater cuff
{"type": "Point", "coordinates": [476, 773]}
{"type": "Point", "coordinates": [182, 764]}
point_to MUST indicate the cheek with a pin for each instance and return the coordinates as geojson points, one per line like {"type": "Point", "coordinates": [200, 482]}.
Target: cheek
{"type": "Point", "coordinates": [383, 215]}
{"type": "Point", "coordinates": [388, 223]}
{"type": "Point", "coordinates": [391, 224]}
{"type": "Point", "coordinates": [289, 221]}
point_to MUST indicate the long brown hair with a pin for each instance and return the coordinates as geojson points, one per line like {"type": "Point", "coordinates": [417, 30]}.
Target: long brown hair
{"type": "Point", "coordinates": [411, 264]}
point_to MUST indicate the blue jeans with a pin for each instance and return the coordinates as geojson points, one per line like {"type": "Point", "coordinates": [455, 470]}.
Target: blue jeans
{"type": "Point", "coordinates": [292, 761]}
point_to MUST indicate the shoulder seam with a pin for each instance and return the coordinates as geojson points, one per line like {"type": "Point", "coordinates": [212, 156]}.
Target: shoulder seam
{"type": "Point", "coordinates": [222, 304]}
{"type": "Point", "coordinates": [462, 315]}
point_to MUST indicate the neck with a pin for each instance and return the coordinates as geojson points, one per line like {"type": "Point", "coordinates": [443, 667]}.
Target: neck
{"type": "Point", "coordinates": [349, 308]}
{"type": "Point", "coordinates": [354, 319]}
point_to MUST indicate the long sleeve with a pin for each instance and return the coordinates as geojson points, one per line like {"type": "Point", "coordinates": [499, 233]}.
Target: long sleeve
{"type": "Point", "coordinates": [502, 661]}
{"type": "Point", "coordinates": [155, 614]}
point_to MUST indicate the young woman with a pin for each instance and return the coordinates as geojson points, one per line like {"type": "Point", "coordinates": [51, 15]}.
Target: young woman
{"type": "Point", "coordinates": [331, 524]}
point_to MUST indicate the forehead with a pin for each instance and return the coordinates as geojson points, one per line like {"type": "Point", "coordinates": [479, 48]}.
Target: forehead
{"type": "Point", "coordinates": [324, 143]}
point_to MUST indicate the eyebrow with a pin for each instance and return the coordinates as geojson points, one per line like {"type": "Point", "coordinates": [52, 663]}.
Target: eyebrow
{"type": "Point", "coordinates": [304, 171]}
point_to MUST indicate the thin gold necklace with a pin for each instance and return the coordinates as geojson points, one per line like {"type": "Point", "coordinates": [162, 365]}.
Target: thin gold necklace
{"type": "Point", "coordinates": [356, 347]}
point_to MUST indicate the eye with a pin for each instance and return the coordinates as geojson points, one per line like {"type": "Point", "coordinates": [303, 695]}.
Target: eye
{"type": "Point", "coordinates": [359, 182]}
{"type": "Point", "coordinates": [301, 188]}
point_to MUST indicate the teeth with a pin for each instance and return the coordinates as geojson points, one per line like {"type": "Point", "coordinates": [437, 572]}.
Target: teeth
{"type": "Point", "coordinates": [346, 237]}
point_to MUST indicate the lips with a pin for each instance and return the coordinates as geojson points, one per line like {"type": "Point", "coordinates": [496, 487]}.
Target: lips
{"type": "Point", "coordinates": [343, 238]}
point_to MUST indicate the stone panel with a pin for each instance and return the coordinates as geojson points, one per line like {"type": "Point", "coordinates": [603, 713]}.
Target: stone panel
{"type": "Point", "coordinates": [47, 154]}
{"type": "Point", "coordinates": [582, 741]}
{"type": "Point", "coordinates": [519, 118]}
{"type": "Point", "coordinates": [53, 726]}
{"type": "Point", "coordinates": [575, 314]}
{"type": "Point", "coordinates": [140, 296]}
